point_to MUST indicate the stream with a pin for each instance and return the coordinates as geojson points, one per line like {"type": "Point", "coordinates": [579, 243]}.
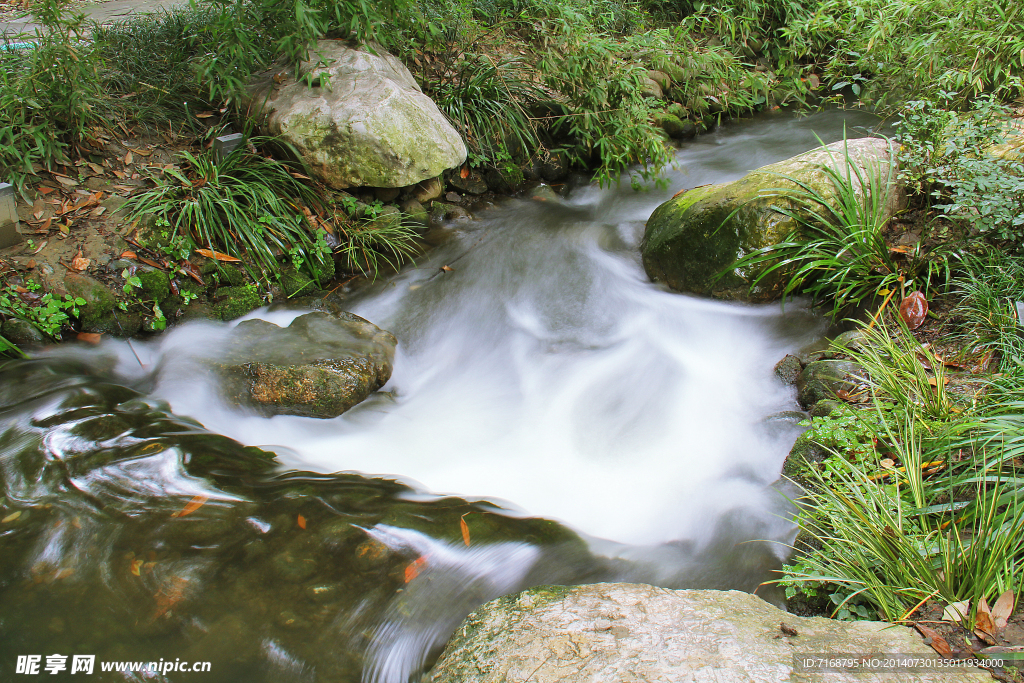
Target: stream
{"type": "Point", "coordinates": [552, 418]}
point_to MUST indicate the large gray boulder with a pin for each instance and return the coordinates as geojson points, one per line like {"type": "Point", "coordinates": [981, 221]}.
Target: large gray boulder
{"type": "Point", "coordinates": [698, 233]}
{"type": "Point", "coordinates": [364, 123]}
{"type": "Point", "coordinates": [613, 633]}
{"type": "Point", "coordinates": [319, 366]}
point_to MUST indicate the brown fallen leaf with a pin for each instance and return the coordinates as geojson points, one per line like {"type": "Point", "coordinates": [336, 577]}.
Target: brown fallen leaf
{"type": "Point", "coordinates": [150, 262]}
{"type": "Point", "coordinates": [914, 309]}
{"type": "Point", "coordinates": [120, 174]}
{"type": "Point", "coordinates": [190, 507]}
{"type": "Point", "coordinates": [128, 158]}
{"type": "Point", "coordinates": [464, 173]}
{"type": "Point", "coordinates": [446, 269]}
{"type": "Point", "coordinates": [902, 249]}
{"type": "Point", "coordinates": [938, 643]}
{"type": "Point", "coordinates": [465, 529]}
{"type": "Point", "coordinates": [89, 337]}
{"type": "Point", "coordinates": [41, 245]}
{"type": "Point", "coordinates": [218, 255]}
{"type": "Point", "coordinates": [788, 630]}
{"type": "Point", "coordinates": [301, 521]}
{"type": "Point", "coordinates": [42, 189]}
{"type": "Point", "coordinates": [140, 152]}
{"type": "Point", "coordinates": [204, 114]}
{"type": "Point", "coordinates": [1002, 610]}
{"type": "Point", "coordinates": [128, 254]}
{"type": "Point", "coordinates": [984, 627]}
{"type": "Point", "coordinates": [31, 264]}
{"type": "Point", "coordinates": [96, 168]}
{"type": "Point", "coordinates": [79, 262]}
{"type": "Point", "coordinates": [38, 215]}
{"type": "Point", "coordinates": [136, 567]}
{"type": "Point", "coordinates": [98, 211]}
{"type": "Point", "coordinates": [65, 181]}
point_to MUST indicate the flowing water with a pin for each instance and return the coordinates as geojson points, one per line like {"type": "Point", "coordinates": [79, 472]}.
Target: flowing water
{"type": "Point", "coordinates": [552, 418]}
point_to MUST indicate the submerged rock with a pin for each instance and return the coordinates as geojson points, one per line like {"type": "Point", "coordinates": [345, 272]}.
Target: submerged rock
{"type": "Point", "coordinates": [365, 121]}
{"type": "Point", "coordinates": [822, 379]}
{"type": "Point", "coordinates": [700, 232]}
{"type": "Point", "coordinates": [609, 633]}
{"type": "Point", "coordinates": [319, 366]}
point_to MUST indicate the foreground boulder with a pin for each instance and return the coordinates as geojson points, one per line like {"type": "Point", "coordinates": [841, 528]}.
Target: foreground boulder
{"type": "Point", "coordinates": [698, 233]}
{"type": "Point", "coordinates": [364, 123]}
{"type": "Point", "coordinates": [319, 366]}
{"type": "Point", "coordinates": [610, 633]}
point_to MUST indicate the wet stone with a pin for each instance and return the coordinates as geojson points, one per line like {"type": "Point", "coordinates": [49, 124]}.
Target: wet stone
{"type": "Point", "coordinates": [788, 369]}
{"type": "Point", "coordinates": [822, 379]}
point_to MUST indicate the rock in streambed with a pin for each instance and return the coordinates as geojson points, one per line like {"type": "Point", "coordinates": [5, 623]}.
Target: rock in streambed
{"type": "Point", "coordinates": [321, 365]}
{"type": "Point", "coordinates": [610, 633]}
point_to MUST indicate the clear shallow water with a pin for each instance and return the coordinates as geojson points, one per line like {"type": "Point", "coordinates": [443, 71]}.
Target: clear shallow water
{"type": "Point", "coordinates": [541, 378]}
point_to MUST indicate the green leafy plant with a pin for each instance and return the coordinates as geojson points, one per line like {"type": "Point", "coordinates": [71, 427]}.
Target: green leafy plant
{"type": "Point", "coordinates": [48, 313]}
{"type": "Point", "coordinates": [953, 158]}
{"type": "Point", "coordinates": [50, 96]}
{"type": "Point", "coordinates": [989, 287]}
{"type": "Point", "coordinates": [246, 205]}
{"type": "Point", "coordinates": [488, 100]}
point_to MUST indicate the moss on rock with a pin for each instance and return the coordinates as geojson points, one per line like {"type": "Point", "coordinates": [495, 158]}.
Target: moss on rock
{"type": "Point", "coordinates": [234, 302]}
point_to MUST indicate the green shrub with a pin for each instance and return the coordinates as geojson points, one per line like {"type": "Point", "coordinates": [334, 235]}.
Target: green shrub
{"type": "Point", "coordinates": [488, 101]}
{"type": "Point", "coordinates": [950, 156]}
{"type": "Point", "coordinates": [903, 50]}
{"type": "Point", "coordinates": [50, 95]}
{"type": "Point", "coordinates": [246, 205]}
{"type": "Point", "coordinates": [989, 288]}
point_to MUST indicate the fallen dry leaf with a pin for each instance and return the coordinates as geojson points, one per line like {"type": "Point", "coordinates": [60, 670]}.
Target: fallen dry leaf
{"type": "Point", "coordinates": [217, 255]}
{"type": "Point", "coordinates": [140, 152]}
{"type": "Point", "coordinates": [914, 309]}
{"type": "Point", "coordinates": [150, 262]}
{"type": "Point", "coordinates": [11, 517]}
{"type": "Point", "coordinates": [79, 262]}
{"type": "Point", "coordinates": [465, 529]}
{"type": "Point", "coordinates": [96, 168]}
{"type": "Point", "coordinates": [956, 611]}
{"type": "Point", "coordinates": [302, 522]}
{"type": "Point", "coordinates": [446, 269]}
{"type": "Point", "coordinates": [137, 567]}
{"type": "Point", "coordinates": [938, 643]}
{"type": "Point", "coordinates": [414, 568]}
{"type": "Point", "coordinates": [464, 173]}
{"type": "Point", "coordinates": [128, 158]}
{"type": "Point", "coordinates": [40, 247]}
{"type": "Point", "coordinates": [128, 254]}
{"type": "Point", "coordinates": [89, 337]}
{"type": "Point", "coordinates": [1002, 610]}
{"type": "Point", "coordinates": [190, 507]}
{"type": "Point", "coordinates": [98, 211]}
{"type": "Point", "coordinates": [45, 190]}
{"type": "Point", "coordinates": [65, 181]}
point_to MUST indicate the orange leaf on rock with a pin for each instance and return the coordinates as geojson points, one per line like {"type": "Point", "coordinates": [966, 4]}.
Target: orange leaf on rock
{"type": "Point", "coordinates": [914, 309]}
{"type": "Point", "coordinates": [137, 567]}
{"type": "Point", "coordinates": [465, 529]}
{"type": "Point", "coordinates": [128, 254]}
{"type": "Point", "coordinates": [464, 173]}
{"type": "Point", "coordinates": [190, 507]}
{"type": "Point", "coordinates": [218, 255]}
{"type": "Point", "coordinates": [302, 522]}
{"type": "Point", "coordinates": [89, 337]}
{"type": "Point", "coordinates": [80, 263]}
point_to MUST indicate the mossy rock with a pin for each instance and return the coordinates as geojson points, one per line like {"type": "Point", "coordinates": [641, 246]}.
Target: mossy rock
{"type": "Point", "coordinates": [234, 302]}
{"type": "Point", "coordinates": [156, 285]}
{"type": "Point", "coordinates": [97, 315]}
{"type": "Point", "coordinates": [225, 275]}
{"type": "Point", "coordinates": [319, 366]}
{"type": "Point", "coordinates": [675, 127]}
{"type": "Point", "coordinates": [696, 235]}
{"type": "Point", "coordinates": [295, 283]}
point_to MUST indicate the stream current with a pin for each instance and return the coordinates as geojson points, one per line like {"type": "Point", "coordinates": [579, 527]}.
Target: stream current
{"type": "Point", "coordinates": [552, 418]}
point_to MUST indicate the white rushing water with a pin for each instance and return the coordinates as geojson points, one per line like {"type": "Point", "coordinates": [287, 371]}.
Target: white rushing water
{"type": "Point", "coordinates": [546, 373]}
